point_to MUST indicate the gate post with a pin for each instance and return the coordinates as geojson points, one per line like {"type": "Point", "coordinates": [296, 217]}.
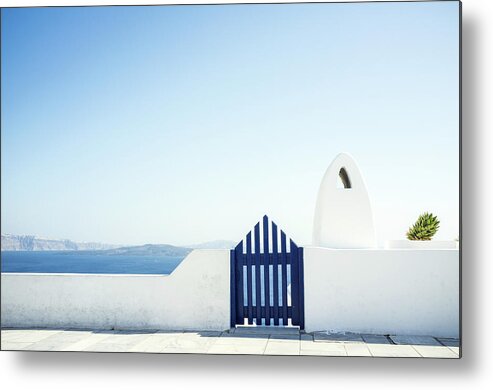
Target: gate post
{"type": "Point", "coordinates": [295, 283]}
{"type": "Point", "coordinates": [302, 288]}
{"type": "Point", "coordinates": [232, 288]}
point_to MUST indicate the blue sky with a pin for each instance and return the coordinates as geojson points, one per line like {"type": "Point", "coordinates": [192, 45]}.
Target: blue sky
{"type": "Point", "coordinates": [186, 124]}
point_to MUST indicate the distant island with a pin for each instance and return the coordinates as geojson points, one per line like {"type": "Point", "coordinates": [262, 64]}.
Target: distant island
{"type": "Point", "coordinates": [11, 242]}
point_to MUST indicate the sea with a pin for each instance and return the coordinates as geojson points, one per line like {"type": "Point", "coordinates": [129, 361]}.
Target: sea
{"type": "Point", "coordinates": [86, 263]}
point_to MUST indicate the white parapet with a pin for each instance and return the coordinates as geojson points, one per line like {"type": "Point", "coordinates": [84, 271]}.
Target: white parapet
{"type": "Point", "coordinates": [392, 291]}
{"type": "Point", "coordinates": [196, 296]}
{"type": "Point", "coordinates": [417, 244]}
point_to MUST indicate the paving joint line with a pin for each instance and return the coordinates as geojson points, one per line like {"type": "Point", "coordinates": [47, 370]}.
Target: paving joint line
{"type": "Point", "coordinates": [413, 346]}
{"type": "Point", "coordinates": [266, 344]}
{"type": "Point", "coordinates": [448, 347]}
{"type": "Point", "coordinates": [439, 342]}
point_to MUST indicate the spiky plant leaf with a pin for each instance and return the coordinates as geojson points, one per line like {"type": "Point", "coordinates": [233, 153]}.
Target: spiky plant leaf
{"type": "Point", "coordinates": [424, 228]}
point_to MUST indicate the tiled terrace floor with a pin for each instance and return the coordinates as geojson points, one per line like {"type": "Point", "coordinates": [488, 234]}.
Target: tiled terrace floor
{"type": "Point", "coordinates": [256, 341]}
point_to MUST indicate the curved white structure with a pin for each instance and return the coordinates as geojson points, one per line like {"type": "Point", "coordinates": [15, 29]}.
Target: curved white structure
{"type": "Point", "coordinates": [343, 215]}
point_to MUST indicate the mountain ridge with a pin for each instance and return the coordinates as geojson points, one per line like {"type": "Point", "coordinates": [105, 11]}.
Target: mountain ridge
{"type": "Point", "coordinates": [12, 242]}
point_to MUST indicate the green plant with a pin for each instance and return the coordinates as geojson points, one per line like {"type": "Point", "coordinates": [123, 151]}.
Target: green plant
{"type": "Point", "coordinates": [424, 228]}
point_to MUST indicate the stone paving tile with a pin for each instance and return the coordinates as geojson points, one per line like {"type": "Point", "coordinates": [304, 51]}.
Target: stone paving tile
{"type": "Point", "coordinates": [308, 347]}
{"type": "Point", "coordinates": [245, 349]}
{"type": "Point", "coordinates": [118, 341]}
{"type": "Point", "coordinates": [183, 342]}
{"type": "Point", "coordinates": [284, 347]}
{"type": "Point", "coordinates": [414, 340]}
{"type": "Point", "coordinates": [252, 342]}
{"type": "Point", "coordinates": [449, 342]}
{"type": "Point", "coordinates": [59, 341]}
{"type": "Point", "coordinates": [226, 339]}
{"type": "Point", "coordinates": [201, 350]}
{"type": "Point", "coordinates": [306, 344]}
{"type": "Point", "coordinates": [48, 346]}
{"type": "Point", "coordinates": [389, 350]}
{"type": "Point", "coordinates": [69, 335]}
{"type": "Point", "coordinates": [357, 349]}
{"type": "Point", "coordinates": [101, 347]}
{"type": "Point", "coordinates": [324, 351]}
{"type": "Point", "coordinates": [155, 342]}
{"type": "Point", "coordinates": [126, 339]}
{"type": "Point", "coordinates": [10, 335]}
{"type": "Point", "coordinates": [105, 346]}
{"type": "Point", "coordinates": [28, 336]}
{"type": "Point", "coordinates": [431, 351]}
{"type": "Point", "coordinates": [374, 339]}
{"type": "Point", "coordinates": [191, 341]}
{"type": "Point", "coordinates": [85, 343]}
{"type": "Point", "coordinates": [14, 346]}
{"type": "Point", "coordinates": [239, 343]}
{"type": "Point", "coordinates": [337, 337]}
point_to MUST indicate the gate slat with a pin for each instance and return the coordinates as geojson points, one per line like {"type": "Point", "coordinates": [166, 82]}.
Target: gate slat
{"type": "Point", "coordinates": [258, 302]}
{"type": "Point", "coordinates": [249, 276]}
{"type": "Point", "coordinates": [284, 288]}
{"type": "Point", "coordinates": [275, 274]}
{"type": "Point", "coordinates": [266, 270]}
{"type": "Point", "coordinates": [294, 283]}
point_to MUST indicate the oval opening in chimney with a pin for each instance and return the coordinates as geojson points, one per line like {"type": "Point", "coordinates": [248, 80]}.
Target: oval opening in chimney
{"type": "Point", "coordinates": [346, 183]}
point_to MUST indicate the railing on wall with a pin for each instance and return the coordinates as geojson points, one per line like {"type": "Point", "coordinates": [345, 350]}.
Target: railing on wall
{"type": "Point", "coordinates": [267, 279]}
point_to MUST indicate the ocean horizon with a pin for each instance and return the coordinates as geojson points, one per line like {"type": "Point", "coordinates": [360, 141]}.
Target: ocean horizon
{"type": "Point", "coordinates": [86, 263]}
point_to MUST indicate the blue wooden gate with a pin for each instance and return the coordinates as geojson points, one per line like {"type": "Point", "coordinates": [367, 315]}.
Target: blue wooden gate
{"type": "Point", "coordinates": [267, 279]}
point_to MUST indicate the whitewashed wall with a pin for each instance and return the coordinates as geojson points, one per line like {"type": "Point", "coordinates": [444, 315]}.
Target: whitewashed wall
{"type": "Point", "coordinates": [196, 296]}
{"type": "Point", "coordinates": [392, 291]}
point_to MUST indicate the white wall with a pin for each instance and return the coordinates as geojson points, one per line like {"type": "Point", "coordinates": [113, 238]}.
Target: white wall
{"type": "Point", "coordinates": [413, 292]}
{"type": "Point", "coordinates": [196, 296]}
{"type": "Point", "coordinates": [373, 291]}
